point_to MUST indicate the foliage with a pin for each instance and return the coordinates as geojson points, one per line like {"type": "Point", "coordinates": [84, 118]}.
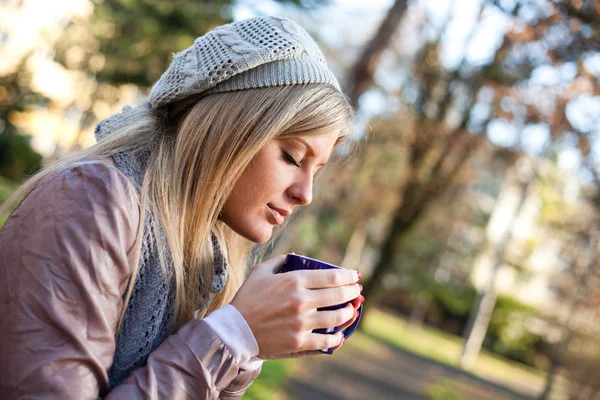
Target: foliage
{"type": "Point", "coordinates": [17, 158]}
{"type": "Point", "coordinates": [455, 301]}
{"type": "Point", "coordinates": [6, 190]}
{"type": "Point", "coordinates": [449, 307]}
{"type": "Point", "coordinates": [581, 365]}
{"type": "Point", "coordinates": [131, 41]}
{"type": "Point", "coordinates": [438, 345]}
{"type": "Point", "coordinates": [441, 105]}
{"type": "Point", "coordinates": [508, 334]}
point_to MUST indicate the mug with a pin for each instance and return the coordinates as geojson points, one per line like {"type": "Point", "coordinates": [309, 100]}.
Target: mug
{"type": "Point", "coordinates": [296, 262]}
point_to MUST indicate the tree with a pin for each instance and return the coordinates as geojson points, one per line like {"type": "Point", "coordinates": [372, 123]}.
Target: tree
{"type": "Point", "coordinates": [513, 196]}
{"type": "Point", "coordinates": [576, 354]}
{"type": "Point", "coordinates": [440, 151]}
{"type": "Point", "coordinates": [132, 42]}
{"type": "Point", "coordinates": [17, 158]}
{"type": "Point", "coordinates": [361, 73]}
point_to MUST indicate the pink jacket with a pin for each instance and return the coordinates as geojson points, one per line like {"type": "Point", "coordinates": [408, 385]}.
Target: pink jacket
{"type": "Point", "coordinates": [66, 255]}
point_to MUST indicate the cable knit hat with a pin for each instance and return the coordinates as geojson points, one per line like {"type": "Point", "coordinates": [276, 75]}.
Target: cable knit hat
{"type": "Point", "coordinates": [256, 52]}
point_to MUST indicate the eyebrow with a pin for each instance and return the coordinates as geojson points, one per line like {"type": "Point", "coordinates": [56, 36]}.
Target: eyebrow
{"type": "Point", "coordinates": [311, 151]}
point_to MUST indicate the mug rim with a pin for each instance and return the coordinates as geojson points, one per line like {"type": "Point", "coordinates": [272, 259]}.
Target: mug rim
{"type": "Point", "coordinates": [314, 259]}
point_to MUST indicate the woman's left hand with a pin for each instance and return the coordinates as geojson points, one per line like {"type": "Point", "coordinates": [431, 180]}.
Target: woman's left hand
{"type": "Point", "coordinates": [356, 304]}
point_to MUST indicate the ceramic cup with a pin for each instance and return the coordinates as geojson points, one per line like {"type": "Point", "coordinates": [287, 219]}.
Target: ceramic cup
{"type": "Point", "coordinates": [296, 262]}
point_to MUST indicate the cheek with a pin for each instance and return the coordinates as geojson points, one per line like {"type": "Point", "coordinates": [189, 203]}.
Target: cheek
{"type": "Point", "coordinates": [249, 191]}
{"type": "Point", "coordinates": [263, 181]}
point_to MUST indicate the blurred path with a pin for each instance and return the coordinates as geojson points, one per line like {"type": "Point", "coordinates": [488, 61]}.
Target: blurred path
{"type": "Point", "coordinates": [383, 372]}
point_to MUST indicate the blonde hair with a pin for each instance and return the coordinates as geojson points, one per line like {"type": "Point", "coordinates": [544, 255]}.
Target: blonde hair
{"type": "Point", "coordinates": [193, 168]}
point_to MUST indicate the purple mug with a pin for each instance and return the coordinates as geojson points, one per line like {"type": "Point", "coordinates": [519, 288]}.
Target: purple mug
{"type": "Point", "coordinates": [296, 262]}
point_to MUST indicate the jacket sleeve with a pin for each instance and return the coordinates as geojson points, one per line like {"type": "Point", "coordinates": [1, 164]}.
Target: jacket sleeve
{"type": "Point", "coordinates": [241, 383]}
{"type": "Point", "coordinates": [229, 324]}
{"type": "Point", "coordinates": [65, 257]}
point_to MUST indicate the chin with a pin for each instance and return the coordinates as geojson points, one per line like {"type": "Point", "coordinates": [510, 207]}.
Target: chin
{"type": "Point", "coordinates": [255, 232]}
{"type": "Point", "coordinates": [257, 236]}
{"type": "Point", "coordinates": [262, 238]}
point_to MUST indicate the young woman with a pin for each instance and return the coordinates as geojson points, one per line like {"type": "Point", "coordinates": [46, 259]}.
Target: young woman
{"type": "Point", "coordinates": [122, 270]}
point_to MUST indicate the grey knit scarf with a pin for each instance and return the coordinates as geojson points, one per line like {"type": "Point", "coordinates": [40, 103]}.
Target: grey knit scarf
{"type": "Point", "coordinates": [151, 305]}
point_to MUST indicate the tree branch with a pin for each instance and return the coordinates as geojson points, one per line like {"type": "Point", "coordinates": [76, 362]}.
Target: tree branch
{"type": "Point", "coordinates": [361, 76]}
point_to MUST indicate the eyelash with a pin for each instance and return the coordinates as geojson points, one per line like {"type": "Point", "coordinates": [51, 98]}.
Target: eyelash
{"type": "Point", "coordinates": [291, 159]}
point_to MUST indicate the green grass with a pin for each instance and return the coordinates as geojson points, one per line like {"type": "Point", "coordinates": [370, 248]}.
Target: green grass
{"type": "Point", "coordinates": [268, 385]}
{"type": "Point", "coordinates": [382, 328]}
{"type": "Point", "coordinates": [445, 389]}
{"type": "Point", "coordinates": [446, 348]}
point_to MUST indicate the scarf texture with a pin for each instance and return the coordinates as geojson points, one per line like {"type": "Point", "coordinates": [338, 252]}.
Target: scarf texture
{"type": "Point", "coordinates": [152, 302]}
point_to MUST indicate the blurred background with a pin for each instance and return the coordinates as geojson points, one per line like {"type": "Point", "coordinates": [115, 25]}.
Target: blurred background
{"type": "Point", "coordinates": [471, 203]}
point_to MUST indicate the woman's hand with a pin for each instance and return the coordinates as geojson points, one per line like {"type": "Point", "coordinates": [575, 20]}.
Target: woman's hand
{"type": "Point", "coordinates": [356, 304]}
{"type": "Point", "coordinates": [281, 309]}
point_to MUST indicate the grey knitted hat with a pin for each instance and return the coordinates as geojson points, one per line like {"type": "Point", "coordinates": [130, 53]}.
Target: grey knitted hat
{"type": "Point", "coordinates": [253, 53]}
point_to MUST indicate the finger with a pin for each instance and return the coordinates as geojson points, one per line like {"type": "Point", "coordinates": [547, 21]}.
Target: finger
{"type": "Point", "coordinates": [346, 325]}
{"type": "Point", "coordinates": [326, 278]}
{"type": "Point", "coordinates": [304, 353]}
{"type": "Point", "coordinates": [318, 341]}
{"type": "Point", "coordinates": [339, 345]}
{"type": "Point", "coordinates": [329, 319]}
{"type": "Point", "coordinates": [272, 265]}
{"type": "Point", "coordinates": [318, 298]}
{"type": "Point", "coordinates": [354, 318]}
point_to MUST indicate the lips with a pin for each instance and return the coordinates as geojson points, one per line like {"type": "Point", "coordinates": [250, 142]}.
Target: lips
{"type": "Point", "coordinates": [283, 212]}
{"type": "Point", "coordinates": [278, 213]}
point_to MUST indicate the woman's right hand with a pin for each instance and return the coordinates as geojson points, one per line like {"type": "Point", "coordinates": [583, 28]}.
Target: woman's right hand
{"type": "Point", "coordinates": [281, 309]}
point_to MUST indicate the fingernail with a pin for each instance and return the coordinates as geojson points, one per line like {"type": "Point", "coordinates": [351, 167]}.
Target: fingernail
{"type": "Point", "coordinates": [360, 287]}
{"type": "Point", "coordinates": [362, 300]}
{"type": "Point", "coordinates": [292, 253]}
{"type": "Point", "coordinates": [358, 273]}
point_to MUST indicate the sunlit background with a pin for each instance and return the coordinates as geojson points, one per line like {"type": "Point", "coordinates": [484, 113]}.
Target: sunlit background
{"type": "Point", "coordinates": [471, 204]}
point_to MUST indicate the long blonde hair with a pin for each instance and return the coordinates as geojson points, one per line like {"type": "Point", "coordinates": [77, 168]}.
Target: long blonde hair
{"type": "Point", "coordinates": [193, 168]}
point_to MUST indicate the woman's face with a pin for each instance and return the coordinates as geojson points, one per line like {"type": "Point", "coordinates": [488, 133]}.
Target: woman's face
{"type": "Point", "coordinates": [279, 178]}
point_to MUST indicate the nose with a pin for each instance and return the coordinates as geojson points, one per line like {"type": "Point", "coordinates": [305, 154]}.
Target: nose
{"type": "Point", "coordinates": [301, 191]}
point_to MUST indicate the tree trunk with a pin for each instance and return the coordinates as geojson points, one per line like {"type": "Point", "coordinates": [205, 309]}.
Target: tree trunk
{"type": "Point", "coordinates": [417, 196]}
{"type": "Point", "coordinates": [418, 312]}
{"type": "Point", "coordinates": [580, 295]}
{"type": "Point", "coordinates": [405, 216]}
{"type": "Point", "coordinates": [354, 249]}
{"type": "Point", "coordinates": [360, 77]}
{"type": "Point", "coordinates": [483, 307]}
{"type": "Point", "coordinates": [421, 305]}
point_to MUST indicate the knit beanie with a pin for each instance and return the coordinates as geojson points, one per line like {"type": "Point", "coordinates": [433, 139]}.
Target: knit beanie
{"type": "Point", "coordinates": [257, 52]}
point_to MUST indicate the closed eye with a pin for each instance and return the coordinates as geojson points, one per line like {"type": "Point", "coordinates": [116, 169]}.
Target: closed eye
{"type": "Point", "coordinates": [288, 157]}
{"type": "Point", "coordinates": [291, 159]}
